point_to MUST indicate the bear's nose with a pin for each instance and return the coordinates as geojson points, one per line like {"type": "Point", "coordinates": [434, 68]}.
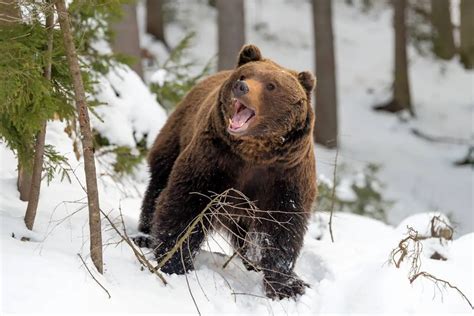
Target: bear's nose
{"type": "Point", "coordinates": [240, 88]}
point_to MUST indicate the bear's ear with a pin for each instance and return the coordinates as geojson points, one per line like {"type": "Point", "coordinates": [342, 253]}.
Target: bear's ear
{"type": "Point", "coordinates": [247, 54]}
{"type": "Point", "coordinates": [307, 80]}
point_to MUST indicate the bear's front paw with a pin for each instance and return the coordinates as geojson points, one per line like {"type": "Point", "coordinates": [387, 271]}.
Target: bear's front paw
{"type": "Point", "coordinates": [280, 286]}
{"type": "Point", "coordinates": [144, 241]}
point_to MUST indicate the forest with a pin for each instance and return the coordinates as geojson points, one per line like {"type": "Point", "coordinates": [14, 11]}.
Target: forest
{"type": "Point", "coordinates": [86, 87]}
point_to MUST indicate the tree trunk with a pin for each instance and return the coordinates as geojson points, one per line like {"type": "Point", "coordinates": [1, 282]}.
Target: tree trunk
{"type": "Point", "coordinates": [127, 39]}
{"type": "Point", "coordinates": [325, 132]}
{"type": "Point", "coordinates": [40, 137]}
{"type": "Point", "coordinates": [231, 32]}
{"type": "Point", "coordinates": [443, 40]}
{"type": "Point", "coordinates": [23, 182]}
{"type": "Point", "coordinates": [466, 28]}
{"type": "Point", "coordinates": [9, 12]}
{"type": "Point", "coordinates": [87, 140]}
{"type": "Point", "coordinates": [401, 86]}
{"type": "Point", "coordinates": [155, 20]}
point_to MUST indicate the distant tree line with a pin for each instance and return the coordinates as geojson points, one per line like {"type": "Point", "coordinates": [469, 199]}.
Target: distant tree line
{"type": "Point", "coordinates": [436, 14]}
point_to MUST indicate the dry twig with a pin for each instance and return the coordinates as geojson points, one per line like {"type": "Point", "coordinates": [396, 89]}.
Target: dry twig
{"type": "Point", "coordinates": [140, 256]}
{"type": "Point", "coordinates": [431, 277]}
{"type": "Point", "coordinates": [411, 248]}
{"type": "Point", "coordinates": [93, 277]}
{"type": "Point", "coordinates": [189, 287]}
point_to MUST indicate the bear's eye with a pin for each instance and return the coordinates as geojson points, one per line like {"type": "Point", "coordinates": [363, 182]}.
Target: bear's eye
{"type": "Point", "coordinates": [270, 86]}
{"type": "Point", "coordinates": [242, 78]}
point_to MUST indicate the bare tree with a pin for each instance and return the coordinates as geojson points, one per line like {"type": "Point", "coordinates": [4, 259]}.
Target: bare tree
{"type": "Point", "coordinates": [401, 87]}
{"type": "Point", "coordinates": [466, 29]}
{"type": "Point", "coordinates": [87, 141]}
{"type": "Point", "coordinates": [325, 132]}
{"type": "Point", "coordinates": [443, 40]}
{"type": "Point", "coordinates": [155, 24]}
{"type": "Point", "coordinates": [231, 29]}
{"type": "Point", "coordinates": [127, 39]}
{"type": "Point", "coordinates": [40, 137]}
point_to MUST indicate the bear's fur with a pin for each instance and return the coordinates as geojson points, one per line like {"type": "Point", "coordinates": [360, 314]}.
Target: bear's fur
{"type": "Point", "coordinates": [206, 147]}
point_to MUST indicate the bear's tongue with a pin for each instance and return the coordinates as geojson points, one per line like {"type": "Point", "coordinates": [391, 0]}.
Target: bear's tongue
{"type": "Point", "coordinates": [241, 116]}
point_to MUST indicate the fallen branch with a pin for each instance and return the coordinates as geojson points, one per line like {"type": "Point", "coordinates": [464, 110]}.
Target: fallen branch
{"type": "Point", "coordinates": [214, 210]}
{"type": "Point", "coordinates": [140, 257]}
{"type": "Point", "coordinates": [188, 286]}
{"type": "Point", "coordinates": [414, 240]}
{"type": "Point", "coordinates": [93, 277]}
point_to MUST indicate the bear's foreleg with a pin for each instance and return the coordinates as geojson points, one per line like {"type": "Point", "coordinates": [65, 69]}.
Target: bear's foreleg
{"type": "Point", "coordinates": [281, 238]}
{"type": "Point", "coordinates": [181, 220]}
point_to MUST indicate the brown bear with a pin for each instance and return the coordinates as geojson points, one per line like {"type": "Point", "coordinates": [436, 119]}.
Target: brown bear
{"type": "Point", "coordinates": [249, 129]}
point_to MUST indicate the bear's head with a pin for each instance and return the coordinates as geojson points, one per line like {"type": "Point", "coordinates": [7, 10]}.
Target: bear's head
{"type": "Point", "coordinates": [266, 104]}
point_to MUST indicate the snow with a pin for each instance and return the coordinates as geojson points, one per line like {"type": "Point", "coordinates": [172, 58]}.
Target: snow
{"type": "Point", "coordinates": [159, 77]}
{"type": "Point", "coordinates": [344, 191]}
{"type": "Point", "coordinates": [351, 275]}
{"type": "Point", "coordinates": [130, 111]}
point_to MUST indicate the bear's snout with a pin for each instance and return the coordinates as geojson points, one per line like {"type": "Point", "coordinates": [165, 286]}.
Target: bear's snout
{"type": "Point", "coordinates": [240, 88]}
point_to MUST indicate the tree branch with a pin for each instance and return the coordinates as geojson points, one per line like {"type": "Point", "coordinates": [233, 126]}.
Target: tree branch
{"type": "Point", "coordinates": [93, 277]}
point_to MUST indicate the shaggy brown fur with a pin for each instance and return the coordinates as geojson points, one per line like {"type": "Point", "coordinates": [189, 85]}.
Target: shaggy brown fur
{"type": "Point", "coordinates": [271, 161]}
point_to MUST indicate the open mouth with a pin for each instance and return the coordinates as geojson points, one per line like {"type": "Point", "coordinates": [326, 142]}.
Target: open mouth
{"type": "Point", "coordinates": [242, 117]}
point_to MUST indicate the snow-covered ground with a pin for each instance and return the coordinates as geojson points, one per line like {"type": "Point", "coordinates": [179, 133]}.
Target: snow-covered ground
{"type": "Point", "coordinates": [352, 275]}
